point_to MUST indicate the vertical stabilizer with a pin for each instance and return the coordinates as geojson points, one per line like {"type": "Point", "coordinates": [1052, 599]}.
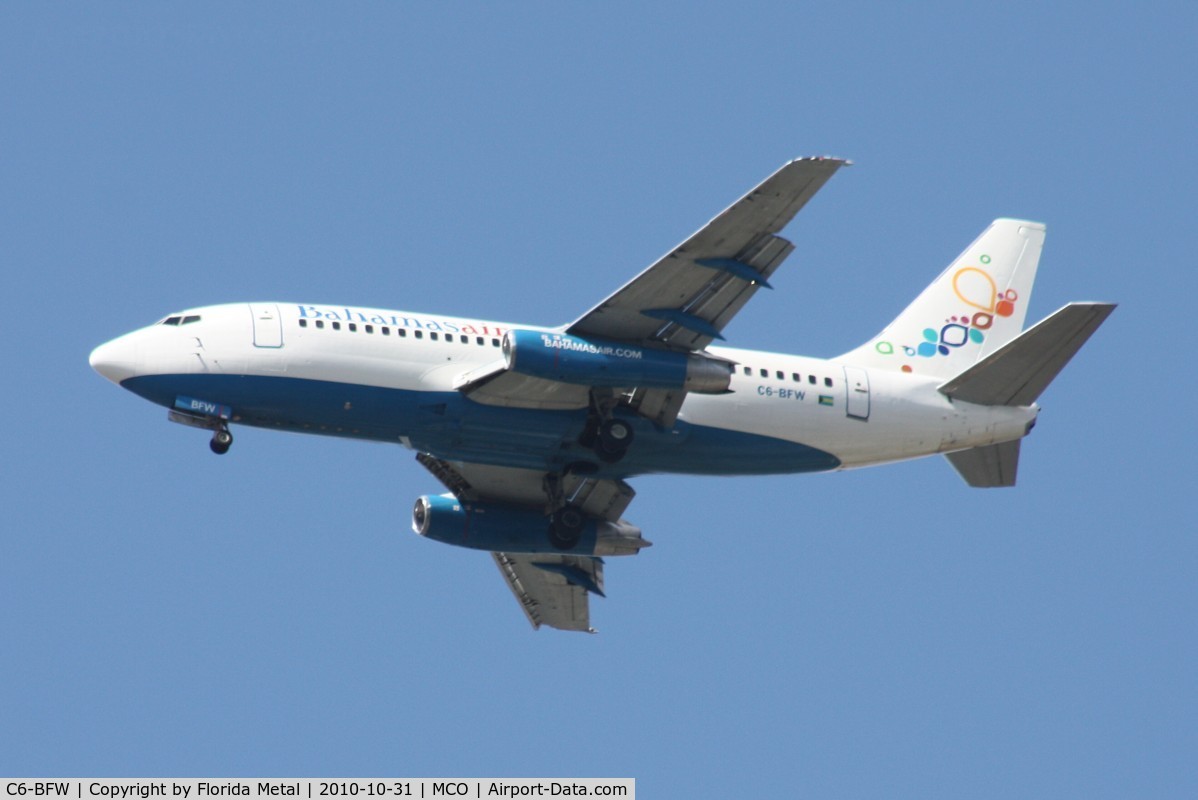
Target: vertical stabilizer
{"type": "Point", "coordinates": [975, 307]}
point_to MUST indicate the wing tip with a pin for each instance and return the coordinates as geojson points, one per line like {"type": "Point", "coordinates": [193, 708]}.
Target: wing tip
{"type": "Point", "coordinates": [838, 160]}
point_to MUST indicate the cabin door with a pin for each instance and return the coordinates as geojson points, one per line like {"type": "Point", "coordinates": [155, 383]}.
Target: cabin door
{"type": "Point", "coordinates": [268, 326]}
{"type": "Point", "coordinates": [856, 381]}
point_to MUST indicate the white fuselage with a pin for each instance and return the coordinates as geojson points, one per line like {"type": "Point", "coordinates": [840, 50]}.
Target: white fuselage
{"type": "Point", "coordinates": [389, 375]}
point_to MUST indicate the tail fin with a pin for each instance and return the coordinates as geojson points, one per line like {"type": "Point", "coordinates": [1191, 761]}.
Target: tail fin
{"type": "Point", "coordinates": [975, 307]}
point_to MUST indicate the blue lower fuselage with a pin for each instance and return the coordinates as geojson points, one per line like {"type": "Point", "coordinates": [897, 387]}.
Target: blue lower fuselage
{"type": "Point", "coordinates": [453, 427]}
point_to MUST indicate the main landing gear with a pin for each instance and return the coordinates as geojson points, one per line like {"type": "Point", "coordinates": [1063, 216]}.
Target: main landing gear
{"type": "Point", "coordinates": [566, 526]}
{"type": "Point", "coordinates": [608, 436]}
{"type": "Point", "coordinates": [567, 520]}
{"type": "Point", "coordinates": [612, 440]}
{"type": "Point", "coordinates": [222, 440]}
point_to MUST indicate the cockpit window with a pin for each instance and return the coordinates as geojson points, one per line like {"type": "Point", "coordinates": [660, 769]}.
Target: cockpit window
{"type": "Point", "coordinates": [181, 320]}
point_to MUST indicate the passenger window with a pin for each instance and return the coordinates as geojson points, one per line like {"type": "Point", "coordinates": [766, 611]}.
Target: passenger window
{"type": "Point", "coordinates": [828, 382]}
{"type": "Point", "coordinates": [353, 327]}
{"type": "Point", "coordinates": [369, 329]}
{"type": "Point", "coordinates": [420, 334]}
{"type": "Point", "coordinates": [303, 323]}
{"type": "Point", "coordinates": [479, 340]}
{"type": "Point", "coordinates": [811, 379]}
{"type": "Point", "coordinates": [465, 339]}
{"type": "Point", "coordinates": [320, 323]}
{"type": "Point", "coordinates": [433, 336]}
{"type": "Point", "coordinates": [765, 373]}
{"type": "Point", "coordinates": [748, 370]}
{"type": "Point", "coordinates": [336, 326]}
{"type": "Point", "coordinates": [385, 330]}
{"type": "Point", "coordinates": [794, 376]}
{"type": "Point", "coordinates": [495, 343]}
{"type": "Point", "coordinates": [401, 332]}
{"type": "Point", "coordinates": [779, 375]}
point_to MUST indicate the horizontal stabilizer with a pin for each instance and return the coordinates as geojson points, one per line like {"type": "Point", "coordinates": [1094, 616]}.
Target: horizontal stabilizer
{"type": "Point", "coordinates": [987, 467]}
{"type": "Point", "coordinates": [1016, 373]}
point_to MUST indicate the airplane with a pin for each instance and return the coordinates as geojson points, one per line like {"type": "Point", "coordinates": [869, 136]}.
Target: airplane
{"type": "Point", "coordinates": [535, 431]}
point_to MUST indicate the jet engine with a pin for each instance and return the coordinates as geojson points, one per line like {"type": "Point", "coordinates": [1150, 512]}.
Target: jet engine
{"type": "Point", "coordinates": [516, 529]}
{"type": "Point", "coordinates": [597, 362]}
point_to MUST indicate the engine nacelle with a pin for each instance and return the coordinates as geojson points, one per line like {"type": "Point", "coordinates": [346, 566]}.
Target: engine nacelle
{"type": "Point", "coordinates": [598, 362]}
{"type": "Point", "coordinates": [515, 529]}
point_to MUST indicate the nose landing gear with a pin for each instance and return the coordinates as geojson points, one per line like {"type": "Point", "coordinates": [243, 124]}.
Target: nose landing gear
{"type": "Point", "coordinates": [222, 440]}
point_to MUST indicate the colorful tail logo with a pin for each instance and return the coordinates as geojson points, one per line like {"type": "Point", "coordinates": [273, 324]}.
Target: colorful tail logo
{"type": "Point", "coordinates": [973, 287]}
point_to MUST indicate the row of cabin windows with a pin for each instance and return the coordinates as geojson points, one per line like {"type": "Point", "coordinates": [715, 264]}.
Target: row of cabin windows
{"type": "Point", "coordinates": [402, 332]}
{"type": "Point", "coordinates": [794, 376]}
{"type": "Point", "coordinates": [481, 340]}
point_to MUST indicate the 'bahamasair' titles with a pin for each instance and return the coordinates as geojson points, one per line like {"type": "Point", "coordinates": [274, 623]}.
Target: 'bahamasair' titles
{"type": "Point", "coordinates": [372, 316]}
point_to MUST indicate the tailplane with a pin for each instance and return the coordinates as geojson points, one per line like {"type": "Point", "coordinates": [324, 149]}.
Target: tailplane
{"type": "Point", "coordinates": [1020, 370]}
{"type": "Point", "coordinates": [1015, 375]}
{"type": "Point", "coordinates": [971, 310]}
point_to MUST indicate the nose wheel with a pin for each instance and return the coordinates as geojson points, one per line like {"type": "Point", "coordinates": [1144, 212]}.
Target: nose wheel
{"type": "Point", "coordinates": [222, 440]}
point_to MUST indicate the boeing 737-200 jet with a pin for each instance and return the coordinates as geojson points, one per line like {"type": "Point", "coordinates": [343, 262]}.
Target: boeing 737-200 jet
{"type": "Point", "coordinates": [534, 431]}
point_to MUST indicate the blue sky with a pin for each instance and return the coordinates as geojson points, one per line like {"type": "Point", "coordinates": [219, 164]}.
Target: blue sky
{"type": "Point", "coordinates": [885, 632]}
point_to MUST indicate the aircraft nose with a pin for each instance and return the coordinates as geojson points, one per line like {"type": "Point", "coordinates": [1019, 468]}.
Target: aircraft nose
{"type": "Point", "coordinates": [115, 360]}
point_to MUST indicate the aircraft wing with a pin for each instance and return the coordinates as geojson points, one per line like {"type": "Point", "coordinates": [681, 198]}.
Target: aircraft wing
{"type": "Point", "coordinates": [684, 300]}
{"type": "Point", "coordinates": [552, 589]}
{"type": "Point", "coordinates": [686, 297]}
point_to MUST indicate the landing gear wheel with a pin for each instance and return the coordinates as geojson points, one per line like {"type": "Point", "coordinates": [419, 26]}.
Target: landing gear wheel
{"type": "Point", "coordinates": [565, 527]}
{"type": "Point", "coordinates": [222, 440]}
{"type": "Point", "coordinates": [614, 438]}
{"type": "Point", "coordinates": [615, 433]}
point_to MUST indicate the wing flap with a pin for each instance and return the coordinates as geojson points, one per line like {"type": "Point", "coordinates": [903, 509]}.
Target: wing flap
{"type": "Point", "coordinates": [513, 390]}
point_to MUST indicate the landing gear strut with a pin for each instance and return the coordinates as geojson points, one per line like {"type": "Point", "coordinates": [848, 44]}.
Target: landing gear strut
{"type": "Point", "coordinates": [222, 440]}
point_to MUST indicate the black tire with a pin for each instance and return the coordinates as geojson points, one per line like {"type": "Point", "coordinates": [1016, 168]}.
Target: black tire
{"type": "Point", "coordinates": [566, 526]}
{"type": "Point", "coordinates": [615, 437]}
{"type": "Point", "coordinates": [616, 433]}
{"type": "Point", "coordinates": [221, 442]}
